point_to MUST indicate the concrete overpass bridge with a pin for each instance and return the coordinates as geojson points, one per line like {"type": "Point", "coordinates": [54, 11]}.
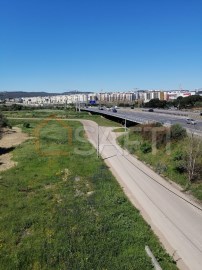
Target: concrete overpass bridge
{"type": "Point", "coordinates": [120, 116]}
{"type": "Point", "coordinates": [133, 117]}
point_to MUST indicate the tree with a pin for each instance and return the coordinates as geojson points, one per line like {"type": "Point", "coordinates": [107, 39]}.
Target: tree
{"type": "Point", "coordinates": [187, 102]}
{"type": "Point", "coordinates": [193, 156]}
{"type": "Point", "coordinates": [3, 123]}
{"type": "Point", "coordinates": [188, 159]}
{"type": "Point", "coordinates": [177, 132]}
{"type": "Point", "coordinates": [178, 102]}
{"type": "Point", "coordinates": [156, 103]}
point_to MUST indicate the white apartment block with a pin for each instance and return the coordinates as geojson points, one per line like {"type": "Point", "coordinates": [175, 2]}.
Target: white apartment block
{"type": "Point", "coordinates": [141, 95]}
{"type": "Point", "coordinates": [116, 96]}
{"type": "Point", "coordinates": [147, 96]}
{"type": "Point", "coordinates": [59, 99]}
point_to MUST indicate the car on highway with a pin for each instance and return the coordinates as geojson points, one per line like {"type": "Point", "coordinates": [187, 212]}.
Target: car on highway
{"type": "Point", "coordinates": [114, 110]}
{"type": "Point", "coordinates": [191, 121]}
{"type": "Point", "coordinates": [150, 110]}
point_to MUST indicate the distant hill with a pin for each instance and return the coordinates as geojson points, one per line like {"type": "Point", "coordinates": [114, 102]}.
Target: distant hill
{"type": "Point", "coordinates": [20, 94]}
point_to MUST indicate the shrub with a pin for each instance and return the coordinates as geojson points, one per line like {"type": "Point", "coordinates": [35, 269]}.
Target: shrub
{"type": "Point", "coordinates": [26, 125]}
{"type": "Point", "coordinates": [146, 147]}
{"type": "Point", "coordinates": [177, 132]}
{"type": "Point", "coordinates": [178, 156]}
{"type": "Point", "coordinates": [132, 148]}
{"type": "Point", "coordinates": [3, 123]}
{"type": "Point", "coordinates": [161, 168]}
{"type": "Point", "coordinates": [16, 107]}
{"type": "Point", "coordinates": [180, 167]}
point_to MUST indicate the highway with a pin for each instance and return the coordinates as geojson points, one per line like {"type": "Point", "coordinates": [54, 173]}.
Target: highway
{"type": "Point", "coordinates": [157, 116]}
{"type": "Point", "coordinates": [174, 217]}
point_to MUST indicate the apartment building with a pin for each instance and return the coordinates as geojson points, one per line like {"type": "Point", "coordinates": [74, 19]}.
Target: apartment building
{"type": "Point", "coordinates": [147, 96]}
{"type": "Point", "coordinates": [107, 97]}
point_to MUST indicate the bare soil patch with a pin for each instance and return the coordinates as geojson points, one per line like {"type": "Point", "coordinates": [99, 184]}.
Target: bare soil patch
{"type": "Point", "coordinates": [11, 138]}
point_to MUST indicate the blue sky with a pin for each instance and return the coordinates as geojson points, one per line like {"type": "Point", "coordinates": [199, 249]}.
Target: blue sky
{"type": "Point", "coordinates": [100, 45]}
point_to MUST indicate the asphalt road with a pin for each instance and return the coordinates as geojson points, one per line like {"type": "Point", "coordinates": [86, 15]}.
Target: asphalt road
{"type": "Point", "coordinates": [174, 217]}
{"type": "Point", "coordinates": [159, 116]}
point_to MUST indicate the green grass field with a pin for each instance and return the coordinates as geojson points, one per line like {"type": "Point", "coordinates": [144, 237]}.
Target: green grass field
{"type": "Point", "coordinates": [63, 210]}
{"type": "Point", "coordinates": [121, 129]}
{"type": "Point", "coordinates": [64, 114]}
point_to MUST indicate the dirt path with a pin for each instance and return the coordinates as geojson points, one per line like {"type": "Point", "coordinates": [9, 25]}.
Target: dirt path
{"type": "Point", "coordinates": [11, 138]}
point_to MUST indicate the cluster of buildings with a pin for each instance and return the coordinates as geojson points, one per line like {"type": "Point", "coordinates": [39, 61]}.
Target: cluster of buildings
{"type": "Point", "coordinates": [104, 97]}
{"type": "Point", "coordinates": [59, 99]}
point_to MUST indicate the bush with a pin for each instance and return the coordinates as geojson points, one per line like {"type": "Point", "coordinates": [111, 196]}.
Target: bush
{"type": "Point", "coordinates": [161, 168]}
{"type": "Point", "coordinates": [178, 156]}
{"type": "Point", "coordinates": [146, 147]}
{"type": "Point", "coordinates": [198, 104]}
{"type": "Point", "coordinates": [177, 132]}
{"type": "Point", "coordinates": [3, 123]}
{"type": "Point", "coordinates": [26, 125]}
{"type": "Point", "coordinates": [15, 107]}
{"type": "Point", "coordinates": [180, 168]}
